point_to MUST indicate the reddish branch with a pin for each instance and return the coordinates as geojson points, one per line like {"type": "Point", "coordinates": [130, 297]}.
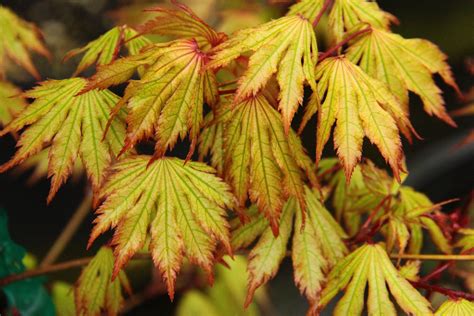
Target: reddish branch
{"type": "Point", "coordinates": [448, 292]}
{"type": "Point", "coordinates": [349, 38]}
{"type": "Point", "coordinates": [229, 91]}
{"type": "Point", "coordinates": [326, 5]}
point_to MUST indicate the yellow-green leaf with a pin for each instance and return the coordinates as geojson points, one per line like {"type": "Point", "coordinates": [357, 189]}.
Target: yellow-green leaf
{"type": "Point", "coordinates": [287, 47]}
{"type": "Point", "coordinates": [347, 14]}
{"type": "Point", "coordinates": [182, 206]}
{"type": "Point", "coordinates": [404, 65]}
{"type": "Point", "coordinates": [18, 38]}
{"type": "Point", "coordinates": [357, 105]}
{"type": "Point", "coordinates": [167, 102]}
{"type": "Point", "coordinates": [96, 292]}
{"type": "Point", "coordinates": [260, 160]}
{"type": "Point", "coordinates": [106, 48]}
{"type": "Point", "coordinates": [70, 125]}
{"type": "Point", "coordinates": [308, 8]}
{"type": "Point", "coordinates": [371, 264]}
{"type": "Point", "coordinates": [456, 307]}
{"type": "Point", "coordinates": [11, 102]}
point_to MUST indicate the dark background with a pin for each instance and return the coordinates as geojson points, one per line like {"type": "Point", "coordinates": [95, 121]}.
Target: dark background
{"type": "Point", "coordinates": [438, 167]}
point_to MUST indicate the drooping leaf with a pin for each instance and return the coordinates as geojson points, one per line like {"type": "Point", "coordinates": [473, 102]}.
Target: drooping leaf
{"type": "Point", "coordinates": [358, 106]}
{"type": "Point", "coordinates": [404, 65]}
{"type": "Point", "coordinates": [18, 38]}
{"type": "Point", "coordinates": [181, 22]}
{"type": "Point", "coordinates": [11, 102]}
{"type": "Point", "coordinates": [286, 46]}
{"type": "Point", "coordinates": [456, 307]}
{"type": "Point", "coordinates": [105, 49]}
{"type": "Point", "coordinates": [371, 264]}
{"type": "Point", "coordinates": [260, 161]}
{"type": "Point", "coordinates": [316, 247]}
{"type": "Point", "coordinates": [168, 99]}
{"type": "Point", "coordinates": [95, 291]}
{"type": "Point", "coordinates": [183, 206]}
{"type": "Point", "coordinates": [347, 14]}
{"type": "Point", "coordinates": [70, 125]}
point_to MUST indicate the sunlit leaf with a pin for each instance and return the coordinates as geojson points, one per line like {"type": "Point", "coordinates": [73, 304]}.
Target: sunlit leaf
{"type": "Point", "coordinates": [182, 205]}
{"type": "Point", "coordinates": [17, 40]}
{"type": "Point", "coordinates": [287, 47]}
{"type": "Point", "coordinates": [70, 125]}
{"type": "Point", "coordinates": [96, 292]}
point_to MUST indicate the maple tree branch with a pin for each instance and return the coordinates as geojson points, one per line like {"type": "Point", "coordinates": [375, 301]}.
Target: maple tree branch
{"type": "Point", "coordinates": [443, 290]}
{"type": "Point", "coordinates": [433, 257]}
{"type": "Point", "coordinates": [56, 267]}
{"type": "Point", "coordinates": [349, 38]}
{"type": "Point", "coordinates": [326, 5]}
{"type": "Point", "coordinates": [68, 232]}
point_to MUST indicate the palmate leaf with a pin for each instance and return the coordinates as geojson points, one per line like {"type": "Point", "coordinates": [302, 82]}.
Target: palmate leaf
{"type": "Point", "coordinates": [371, 264]}
{"type": "Point", "coordinates": [456, 307]}
{"type": "Point", "coordinates": [358, 106]}
{"type": "Point", "coordinates": [183, 206]}
{"type": "Point", "coordinates": [18, 38]}
{"type": "Point", "coordinates": [69, 124]}
{"type": "Point", "coordinates": [260, 161]}
{"type": "Point", "coordinates": [169, 98]}
{"type": "Point", "coordinates": [404, 65]}
{"type": "Point", "coordinates": [181, 23]}
{"type": "Point", "coordinates": [95, 292]}
{"type": "Point", "coordinates": [317, 246]}
{"type": "Point", "coordinates": [11, 102]}
{"type": "Point", "coordinates": [308, 8]}
{"type": "Point", "coordinates": [347, 14]}
{"type": "Point", "coordinates": [105, 49]}
{"type": "Point", "coordinates": [286, 46]}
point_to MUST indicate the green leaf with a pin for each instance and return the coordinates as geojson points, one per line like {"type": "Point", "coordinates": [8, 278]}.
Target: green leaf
{"type": "Point", "coordinates": [20, 295]}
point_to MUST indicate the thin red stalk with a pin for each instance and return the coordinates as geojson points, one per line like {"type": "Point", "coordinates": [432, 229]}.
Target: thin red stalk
{"type": "Point", "coordinates": [349, 38]}
{"type": "Point", "coordinates": [326, 5]}
{"type": "Point", "coordinates": [365, 232]}
{"type": "Point", "coordinates": [436, 272]}
{"type": "Point", "coordinates": [448, 292]}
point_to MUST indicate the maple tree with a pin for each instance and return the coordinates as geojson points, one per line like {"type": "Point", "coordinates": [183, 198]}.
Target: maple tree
{"type": "Point", "coordinates": [255, 195]}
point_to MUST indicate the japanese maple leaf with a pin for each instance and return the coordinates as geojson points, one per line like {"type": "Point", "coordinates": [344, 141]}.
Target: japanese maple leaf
{"type": "Point", "coordinates": [168, 100]}
{"type": "Point", "coordinates": [404, 65]}
{"type": "Point", "coordinates": [181, 205]}
{"type": "Point", "coordinates": [358, 105]}
{"type": "Point", "coordinates": [286, 46]}
{"type": "Point", "coordinates": [18, 38]}
{"type": "Point", "coordinates": [70, 125]}
{"type": "Point", "coordinates": [316, 247]}
{"type": "Point", "coordinates": [260, 161]}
